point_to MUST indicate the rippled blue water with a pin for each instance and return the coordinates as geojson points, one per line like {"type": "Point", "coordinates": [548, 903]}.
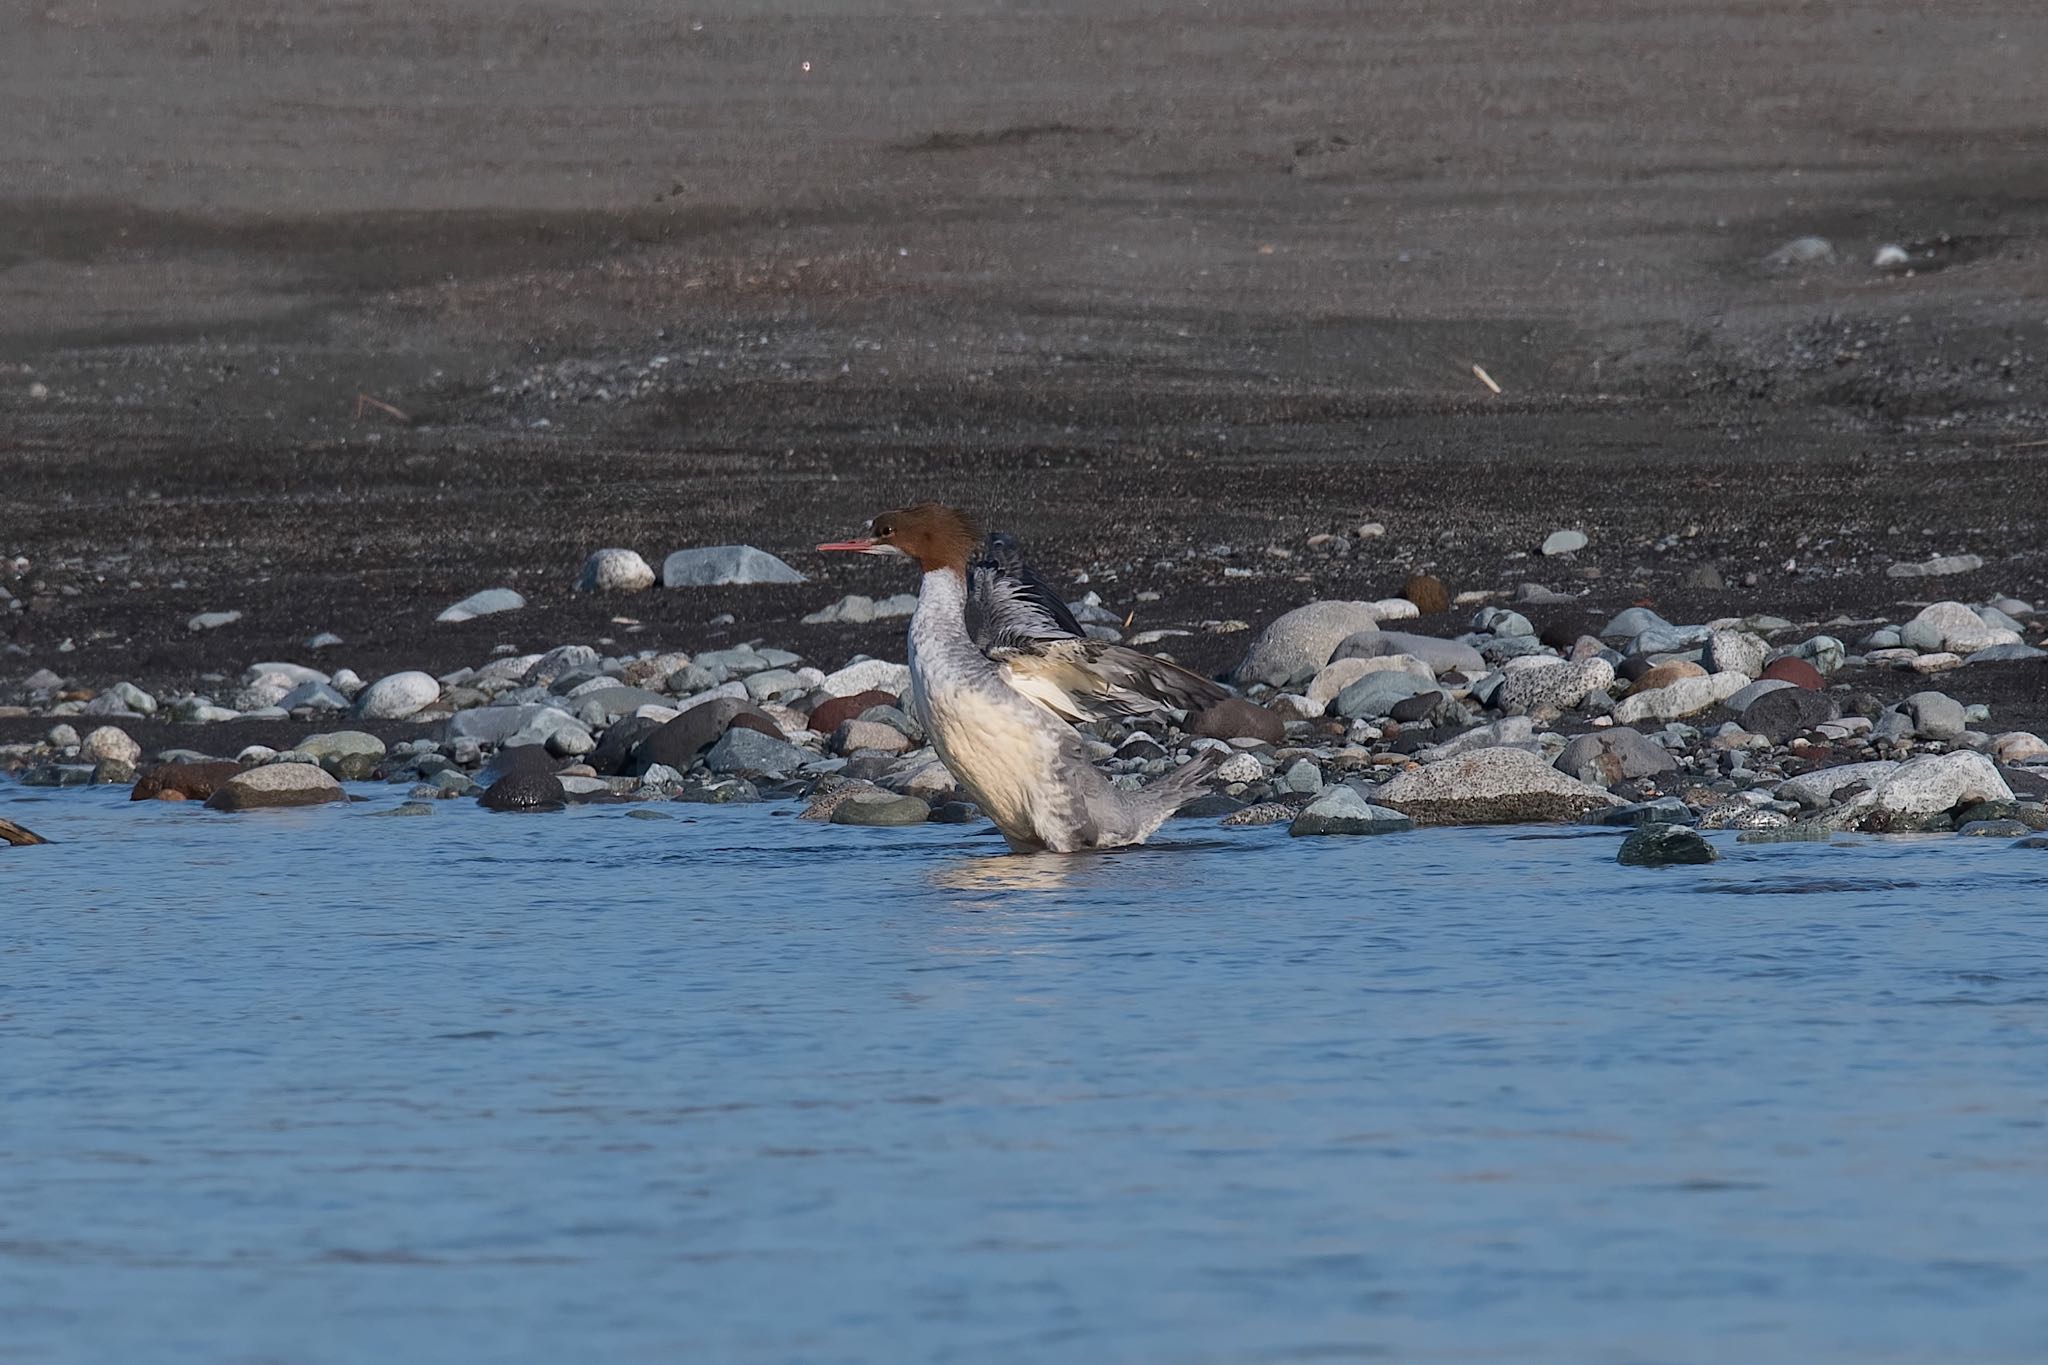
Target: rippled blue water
{"type": "Point", "coordinates": [325, 1087]}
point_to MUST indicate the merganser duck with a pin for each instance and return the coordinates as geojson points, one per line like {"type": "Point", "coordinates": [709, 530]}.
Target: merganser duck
{"type": "Point", "coordinates": [995, 696]}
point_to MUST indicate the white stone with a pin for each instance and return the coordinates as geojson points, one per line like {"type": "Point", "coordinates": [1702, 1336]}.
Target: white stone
{"type": "Point", "coordinates": [278, 784]}
{"type": "Point", "coordinates": [110, 741]}
{"type": "Point", "coordinates": [398, 696]}
{"type": "Point", "coordinates": [489, 602]}
{"type": "Point", "coordinates": [1891, 256]}
{"type": "Point", "coordinates": [1801, 251]}
{"type": "Point", "coordinates": [1395, 609]}
{"type": "Point", "coordinates": [852, 609]}
{"type": "Point", "coordinates": [1735, 651]}
{"type": "Point", "coordinates": [868, 675]}
{"type": "Point", "coordinates": [1240, 767]}
{"type": "Point", "coordinates": [1939, 782]}
{"type": "Point", "coordinates": [263, 689]}
{"type": "Point", "coordinates": [1564, 542]}
{"type": "Point", "coordinates": [719, 565]}
{"type": "Point", "coordinates": [2019, 746]}
{"type": "Point", "coordinates": [132, 698]}
{"type": "Point", "coordinates": [1561, 685]}
{"type": "Point", "coordinates": [1817, 788]}
{"type": "Point", "coordinates": [213, 620]}
{"type": "Point", "coordinates": [296, 673]}
{"type": "Point", "coordinates": [1953, 628]}
{"type": "Point", "coordinates": [1685, 697]}
{"type": "Point", "coordinates": [615, 570]}
{"type": "Point", "coordinates": [1938, 567]}
{"type": "Point", "coordinates": [511, 668]}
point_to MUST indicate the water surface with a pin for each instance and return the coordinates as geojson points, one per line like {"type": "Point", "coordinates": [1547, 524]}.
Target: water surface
{"type": "Point", "coordinates": [324, 1087]}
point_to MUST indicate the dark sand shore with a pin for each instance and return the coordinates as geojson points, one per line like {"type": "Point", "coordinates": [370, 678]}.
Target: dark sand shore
{"type": "Point", "coordinates": [1127, 282]}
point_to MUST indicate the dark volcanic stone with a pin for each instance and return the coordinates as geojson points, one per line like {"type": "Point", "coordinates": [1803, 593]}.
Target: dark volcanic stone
{"type": "Point", "coordinates": [2030, 783]}
{"type": "Point", "coordinates": [525, 791]}
{"type": "Point", "coordinates": [1902, 822]}
{"type": "Point", "coordinates": [1236, 718]}
{"type": "Point", "coordinates": [1798, 672]}
{"type": "Point", "coordinates": [1212, 805]}
{"type": "Point", "coordinates": [1994, 829]}
{"type": "Point", "coordinates": [1633, 667]}
{"type": "Point", "coordinates": [1419, 707]}
{"type": "Point", "coordinates": [515, 759]}
{"type": "Point", "coordinates": [834, 712]}
{"type": "Point", "coordinates": [183, 781]}
{"type": "Point", "coordinates": [1562, 631]}
{"type": "Point", "coordinates": [1789, 711]}
{"type": "Point", "coordinates": [679, 742]}
{"type": "Point", "coordinates": [1664, 810]}
{"type": "Point", "coordinates": [1662, 845]}
{"type": "Point", "coordinates": [615, 750]}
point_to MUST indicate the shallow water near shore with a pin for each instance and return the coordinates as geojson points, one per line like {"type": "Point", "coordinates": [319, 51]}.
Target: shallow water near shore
{"type": "Point", "coordinates": [323, 1086]}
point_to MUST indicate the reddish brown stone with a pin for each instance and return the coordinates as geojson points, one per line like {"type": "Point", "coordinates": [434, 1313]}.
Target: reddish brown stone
{"type": "Point", "coordinates": [1428, 594]}
{"type": "Point", "coordinates": [1798, 672]}
{"type": "Point", "coordinates": [761, 721]}
{"type": "Point", "coordinates": [183, 781]}
{"type": "Point", "coordinates": [1236, 718]}
{"type": "Point", "coordinates": [836, 711]}
{"type": "Point", "coordinates": [1663, 675]}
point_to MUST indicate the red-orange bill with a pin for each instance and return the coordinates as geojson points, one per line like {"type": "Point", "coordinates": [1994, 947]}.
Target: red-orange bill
{"type": "Point", "coordinates": [858, 546]}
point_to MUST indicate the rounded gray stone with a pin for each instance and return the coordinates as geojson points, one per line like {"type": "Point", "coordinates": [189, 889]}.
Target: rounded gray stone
{"type": "Point", "coordinates": [1302, 641]}
{"type": "Point", "coordinates": [398, 696]}
{"type": "Point", "coordinates": [1341, 810]}
{"type": "Point", "coordinates": [881, 808]}
{"type": "Point", "coordinates": [615, 570]}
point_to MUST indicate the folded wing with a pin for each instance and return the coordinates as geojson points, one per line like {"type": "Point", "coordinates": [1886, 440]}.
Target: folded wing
{"type": "Point", "coordinates": [1039, 649]}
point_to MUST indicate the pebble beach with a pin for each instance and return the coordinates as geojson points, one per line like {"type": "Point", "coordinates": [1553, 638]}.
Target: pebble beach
{"type": "Point", "coordinates": [1350, 717]}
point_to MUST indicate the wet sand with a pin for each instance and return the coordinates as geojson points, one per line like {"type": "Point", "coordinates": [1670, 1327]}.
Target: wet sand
{"type": "Point", "coordinates": [1128, 284]}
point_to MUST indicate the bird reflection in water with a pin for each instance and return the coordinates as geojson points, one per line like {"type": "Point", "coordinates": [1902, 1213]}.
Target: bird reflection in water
{"type": "Point", "coordinates": [1012, 872]}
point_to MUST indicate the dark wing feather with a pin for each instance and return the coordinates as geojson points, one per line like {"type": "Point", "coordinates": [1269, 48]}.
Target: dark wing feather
{"type": "Point", "coordinates": [1009, 606]}
{"type": "Point", "coordinates": [1020, 623]}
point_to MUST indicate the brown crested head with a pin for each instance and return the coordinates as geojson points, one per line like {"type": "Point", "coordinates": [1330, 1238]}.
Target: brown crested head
{"type": "Point", "coordinates": [936, 536]}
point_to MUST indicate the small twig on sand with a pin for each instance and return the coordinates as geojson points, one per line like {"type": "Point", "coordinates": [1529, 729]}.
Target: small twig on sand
{"type": "Point", "coordinates": [2022, 445]}
{"type": "Point", "coordinates": [363, 400]}
{"type": "Point", "coordinates": [11, 833]}
{"type": "Point", "coordinates": [1485, 378]}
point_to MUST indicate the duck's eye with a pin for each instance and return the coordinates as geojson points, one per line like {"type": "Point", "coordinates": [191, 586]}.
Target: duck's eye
{"type": "Point", "coordinates": [883, 530]}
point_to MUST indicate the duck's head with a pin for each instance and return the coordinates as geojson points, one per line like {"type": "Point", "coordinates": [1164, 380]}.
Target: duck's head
{"type": "Point", "coordinates": [937, 537]}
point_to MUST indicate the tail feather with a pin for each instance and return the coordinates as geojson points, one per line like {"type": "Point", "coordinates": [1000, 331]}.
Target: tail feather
{"type": "Point", "coordinates": [1162, 798]}
{"type": "Point", "coordinates": [1163, 682]}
